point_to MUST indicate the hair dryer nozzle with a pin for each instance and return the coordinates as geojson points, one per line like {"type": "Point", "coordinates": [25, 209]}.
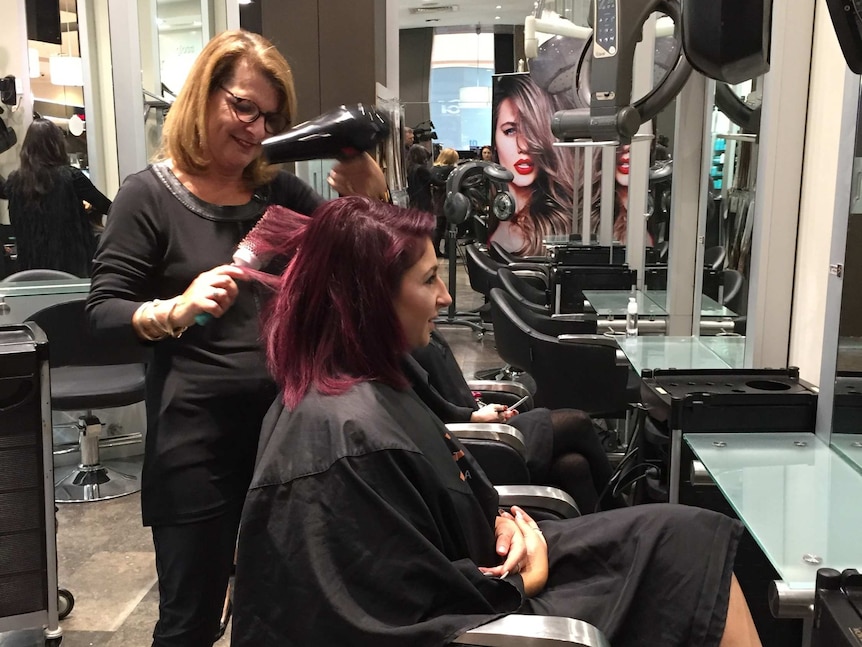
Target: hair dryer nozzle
{"type": "Point", "coordinates": [343, 132]}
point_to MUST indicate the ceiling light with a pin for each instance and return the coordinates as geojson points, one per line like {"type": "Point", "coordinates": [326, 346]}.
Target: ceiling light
{"type": "Point", "coordinates": [245, 1]}
{"type": "Point", "coordinates": [66, 70]}
{"type": "Point", "coordinates": [496, 17]}
{"type": "Point", "coordinates": [499, 6]}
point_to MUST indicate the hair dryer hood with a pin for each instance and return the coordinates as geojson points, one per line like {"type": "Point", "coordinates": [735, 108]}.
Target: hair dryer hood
{"type": "Point", "coordinates": [345, 131]}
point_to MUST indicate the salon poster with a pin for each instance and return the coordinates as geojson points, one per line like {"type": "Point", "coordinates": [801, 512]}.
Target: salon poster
{"type": "Point", "coordinates": [523, 105]}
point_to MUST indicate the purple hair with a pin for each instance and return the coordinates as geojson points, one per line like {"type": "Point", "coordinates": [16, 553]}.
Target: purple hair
{"type": "Point", "coordinates": [332, 322]}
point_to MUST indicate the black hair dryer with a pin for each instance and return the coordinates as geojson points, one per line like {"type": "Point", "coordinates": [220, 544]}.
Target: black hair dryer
{"type": "Point", "coordinates": [343, 132]}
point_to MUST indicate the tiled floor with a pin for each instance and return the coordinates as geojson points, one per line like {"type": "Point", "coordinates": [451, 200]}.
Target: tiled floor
{"type": "Point", "coordinates": [106, 558]}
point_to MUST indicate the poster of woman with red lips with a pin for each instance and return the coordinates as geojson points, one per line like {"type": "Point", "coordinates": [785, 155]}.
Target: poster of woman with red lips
{"type": "Point", "coordinates": [545, 175]}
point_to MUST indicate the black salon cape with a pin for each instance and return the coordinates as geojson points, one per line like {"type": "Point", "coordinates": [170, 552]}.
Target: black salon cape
{"type": "Point", "coordinates": [359, 529]}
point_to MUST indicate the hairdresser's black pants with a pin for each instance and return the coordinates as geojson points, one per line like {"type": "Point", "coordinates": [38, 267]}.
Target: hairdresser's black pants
{"type": "Point", "coordinates": [194, 562]}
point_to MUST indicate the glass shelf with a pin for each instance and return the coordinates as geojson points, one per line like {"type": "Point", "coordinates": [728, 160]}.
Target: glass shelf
{"type": "Point", "coordinates": [798, 498]}
{"type": "Point", "coordinates": [709, 307]}
{"type": "Point", "coordinates": [683, 352]}
{"type": "Point", "coordinates": [850, 447]}
{"type": "Point", "coordinates": [613, 303]}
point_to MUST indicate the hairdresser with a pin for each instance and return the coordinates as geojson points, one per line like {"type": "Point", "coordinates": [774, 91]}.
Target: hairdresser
{"type": "Point", "coordinates": [163, 259]}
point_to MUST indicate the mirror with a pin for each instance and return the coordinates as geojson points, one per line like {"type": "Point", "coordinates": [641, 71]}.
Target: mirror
{"type": "Point", "coordinates": [729, 214]}
{"type": "Point", "coordinates": [179, 29]}
{"type": "Point", "coordinates": [846, 437]}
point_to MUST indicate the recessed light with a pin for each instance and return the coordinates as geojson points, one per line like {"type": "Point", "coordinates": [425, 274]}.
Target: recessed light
{"type": "Point", "coordinates": [496, 17]}
{"type": "Point", "coordinates": [499, 6]}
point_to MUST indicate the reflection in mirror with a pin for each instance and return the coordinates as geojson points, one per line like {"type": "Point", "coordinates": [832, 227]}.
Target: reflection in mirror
{"type": "Point", "coordinates": [559, 79]}
{"type": "Point", "coordinates": [730, 206]}
{"type": "Point", "coordinates": [846, 435]}
{"type": "Point", "coordinates": [178, 35]}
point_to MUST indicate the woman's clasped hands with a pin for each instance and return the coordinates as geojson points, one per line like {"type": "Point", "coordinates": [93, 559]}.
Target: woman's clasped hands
{"type": "Point", "coordinates": [521, 542]}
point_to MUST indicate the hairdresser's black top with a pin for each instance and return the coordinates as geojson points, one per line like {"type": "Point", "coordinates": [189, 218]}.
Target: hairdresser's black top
{"type": "Point", "coordinates": [360, 529]}
{"type": "Point", "coordinates": [53, 231]}
{"type": "Point", "coordinates": [208, 390]}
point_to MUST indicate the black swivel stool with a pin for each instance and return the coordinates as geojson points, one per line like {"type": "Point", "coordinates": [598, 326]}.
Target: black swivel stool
{"type": "Point", "coordinates": [91, 372]}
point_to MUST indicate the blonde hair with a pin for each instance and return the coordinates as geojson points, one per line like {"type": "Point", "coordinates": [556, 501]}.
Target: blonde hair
{"type": "Point", "coordinates": [447, 157]}
{"type": "Point", "coordinates": [184, 139]}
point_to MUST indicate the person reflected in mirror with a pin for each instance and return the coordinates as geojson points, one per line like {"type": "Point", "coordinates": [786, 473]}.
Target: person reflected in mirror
{"type": "Point", "coordinates": [48, 202]}
{"type": "Point", "coordinates": [419, 177]}
{"type": "Point", "coordinates": [443, 167]}
{"type": "Point", "coordinates": [544, 175]}
{"type": "Point", "coordinates": [621, 196]}
{"type": "Point", "coordinates": [163, 261]}
{"type": "Point", "coordinates": [368, 524]}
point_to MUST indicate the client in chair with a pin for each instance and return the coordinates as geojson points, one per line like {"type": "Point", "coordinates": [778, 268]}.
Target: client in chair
{"type": "Point", "coordinates": [368, 525]}
{"type": "Point", "coordinates": [563, 448]}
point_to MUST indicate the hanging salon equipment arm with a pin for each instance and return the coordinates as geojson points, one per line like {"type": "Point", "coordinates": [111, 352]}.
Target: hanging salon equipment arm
{"type": "Point", "coordinates": [617, 28]}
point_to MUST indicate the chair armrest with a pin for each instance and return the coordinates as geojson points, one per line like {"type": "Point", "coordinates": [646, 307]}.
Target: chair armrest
{"type": "Point", "coordinates": [597, 340]}
{"type": "Point", "coordinates": [534, 631]}
{"type": "Point", "coordinates": [540, 268]}
{"type": "Point", "coordinates": [593, 340]}
{"type": "Point", "coordinates": [490, 431]}
{"type": "Point", "coordinates": [504, 386]}
{"type": "Point", "coordinates": [544, 497]}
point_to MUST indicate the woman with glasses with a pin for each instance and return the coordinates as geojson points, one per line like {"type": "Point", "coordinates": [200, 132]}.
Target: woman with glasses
{"type": "Point", "coordinates": [164, 259]}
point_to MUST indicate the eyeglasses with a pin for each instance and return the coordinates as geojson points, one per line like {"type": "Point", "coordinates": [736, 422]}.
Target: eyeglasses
{"type": "Point", "coordinates": [247, 111]}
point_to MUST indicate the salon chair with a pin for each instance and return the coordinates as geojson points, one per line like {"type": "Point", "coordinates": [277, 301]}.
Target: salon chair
{"type": "Point", "coordinates": [88, 373]}
{"type": "Point", "coordinates": [525, 293]}
{"type": "Point", "coordinates": [502, 255]}
{"type": "Point", "coordinates": [714, 257]}
{"type": "Point", "coordinates": [501, 451]}
{"type": "Point", "coordinates": [578, 371]}
{"type": "Point", "coordinates": [482, 271]}
{"type": "Point", "coordinates": [542, 321]}
{"type": "Point", "coordinates": [39, 275]}
{"type": "Point", "coordinates": [734, 282]}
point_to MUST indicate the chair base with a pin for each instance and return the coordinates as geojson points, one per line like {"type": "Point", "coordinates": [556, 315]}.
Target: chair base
{"type": "Point", "coordinates": [108, 480]}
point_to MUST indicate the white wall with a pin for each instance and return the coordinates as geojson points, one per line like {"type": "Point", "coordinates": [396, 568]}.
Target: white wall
{"type": "Point", "coordinates": [828, 157]}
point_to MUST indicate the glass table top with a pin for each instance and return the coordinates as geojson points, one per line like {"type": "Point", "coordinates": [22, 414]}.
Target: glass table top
{"type": "Point", "coordinates": [683, 352]}
{"type": "Point", "coordinates": [850, 447]}
{"type": "Point", "coordinates": [709, 307]}
{"type": "Point", "coordinates": [613, 303]}
{"type": "Point", "coordinates": [798, 498]}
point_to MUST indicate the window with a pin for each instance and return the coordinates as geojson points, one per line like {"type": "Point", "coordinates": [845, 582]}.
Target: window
{"type": "Point", "coordinates": [460, 92]}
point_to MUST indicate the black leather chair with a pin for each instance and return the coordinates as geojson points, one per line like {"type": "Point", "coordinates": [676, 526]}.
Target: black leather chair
{"type": "Point", "coordinates": [39, 275]}
{"type": "Point", "coordinates": [587, 372]}
{"type": "Point", "coordinates": [543, 322]}
{"type": "Point", "coordinates": [482, 271]}
{"type": "Point", "coordinates": [526, 293]}
{"type": "Point", "coordinates": [92, 372]}
{"type": "Point", "coordinates": [713, 257]}
{"type": "Point", "coordinates": [502, 255]}
{"type": "Point", "coordinates": [733, 291]}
